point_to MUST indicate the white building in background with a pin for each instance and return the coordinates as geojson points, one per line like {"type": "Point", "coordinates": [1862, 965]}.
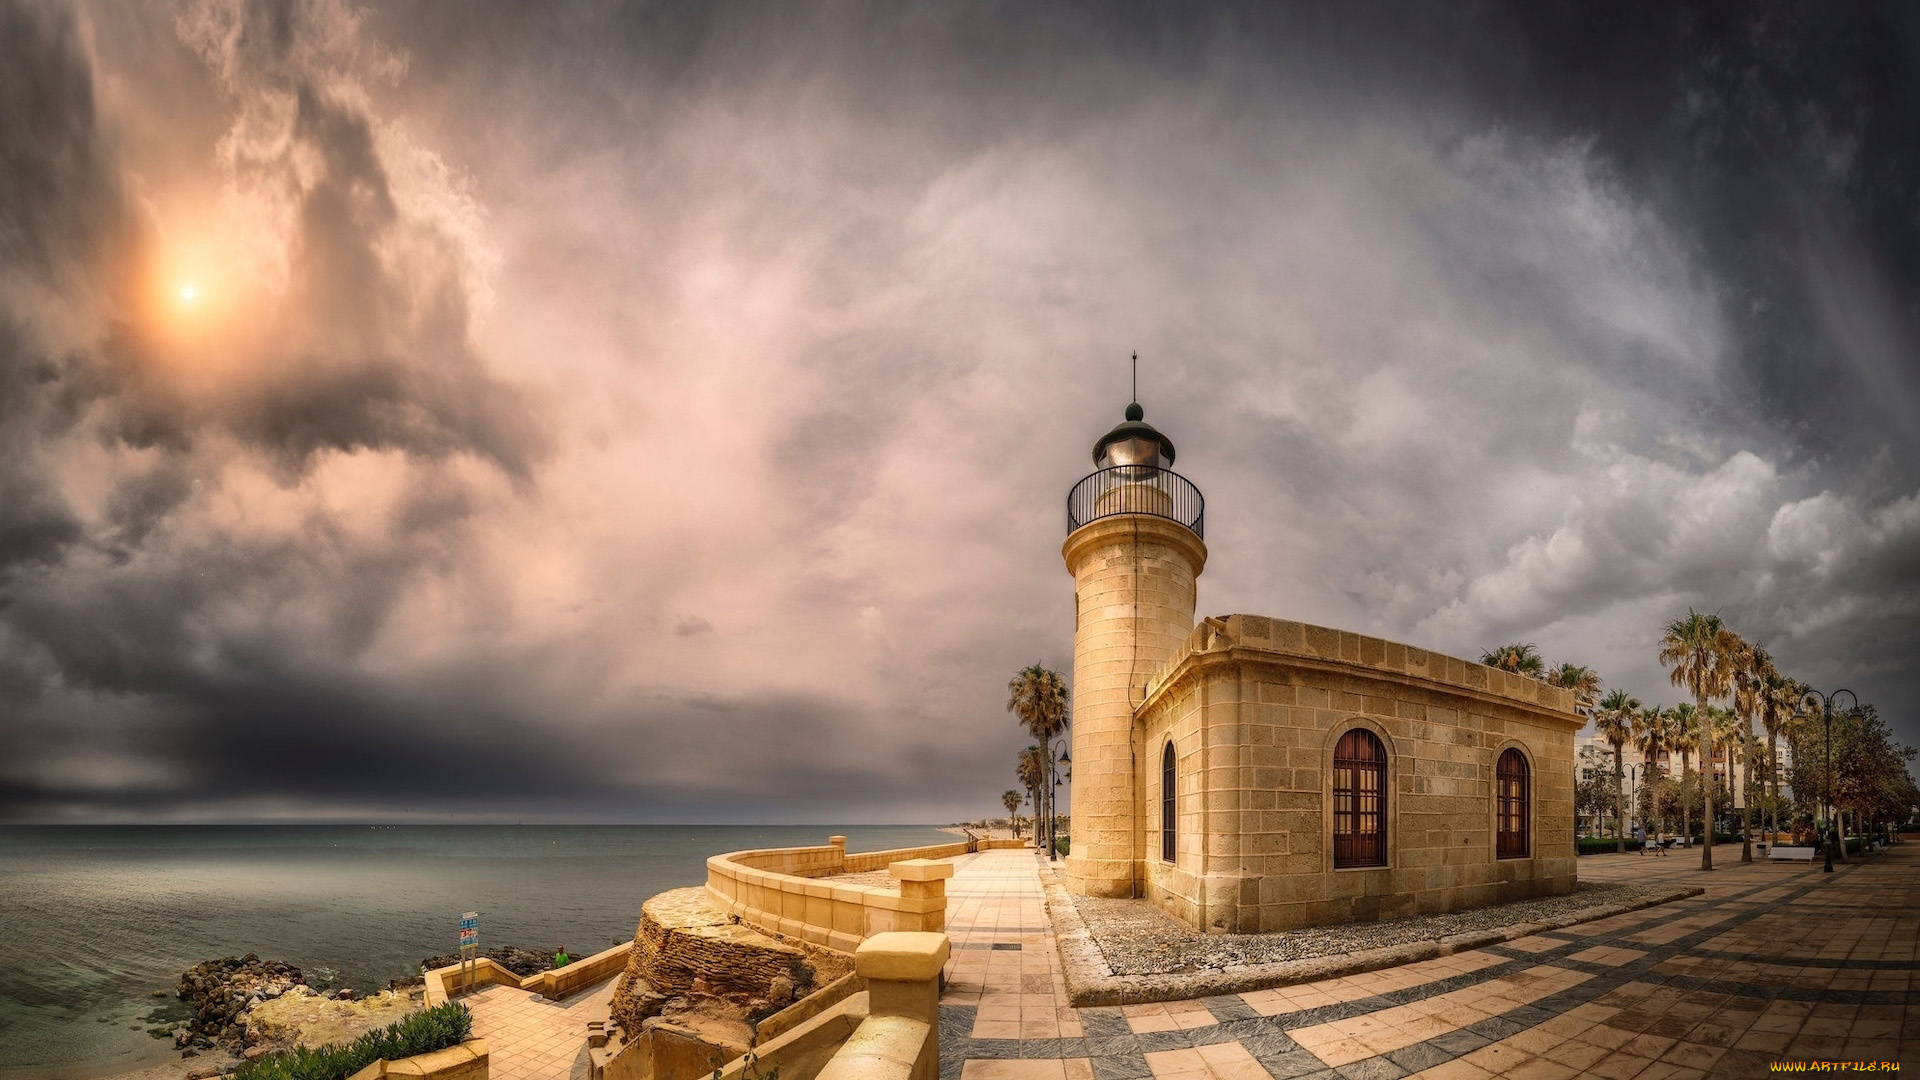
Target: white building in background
{"type": "Point", "coordinates": [1593, 754]}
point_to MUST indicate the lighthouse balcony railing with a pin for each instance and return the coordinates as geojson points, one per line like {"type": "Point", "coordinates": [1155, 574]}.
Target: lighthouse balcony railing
{"type": "Point", "coordinates": [1137, 489]}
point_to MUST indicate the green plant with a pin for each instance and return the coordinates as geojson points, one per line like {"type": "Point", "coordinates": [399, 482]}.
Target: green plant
{"type": "Point", "coordinates": [422, 1033]}
{"type": "Point", "coordinates": [1060, 845]}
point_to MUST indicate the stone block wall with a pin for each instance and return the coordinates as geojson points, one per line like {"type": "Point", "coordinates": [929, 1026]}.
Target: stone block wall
{"type": "Point", "coordinates": [779, 891]}
{"type": "Point", "coordinates": [1253, 707]}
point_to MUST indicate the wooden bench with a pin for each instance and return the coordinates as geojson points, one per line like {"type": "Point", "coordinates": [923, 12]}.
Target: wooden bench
{"type": "Point", "coordinates": [1782, 854]}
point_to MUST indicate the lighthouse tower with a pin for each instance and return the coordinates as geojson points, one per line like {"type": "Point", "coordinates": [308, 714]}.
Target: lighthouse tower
{"type": "Point", "coordinates": [1134, 549]}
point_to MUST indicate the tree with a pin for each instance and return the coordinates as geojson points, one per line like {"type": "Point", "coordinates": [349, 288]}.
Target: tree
{"type": "Point", "coordinates": [1011, 800]}
{"type": "Point", "coordinates": [1779, 697]}
{"type": "Point", "coordinates": [1596, 796]}
{"type": "Point", "coordinates": [1519, 659]}
{"type": "Point", "coordinates": [1749, 690]}
{"type": "Point", "coordinates": [1651, 728]}
{"type": "Point", "coordinates": [1728, 732]}
{"type": "Point", "coordinates": [1037, 698]}
{"type": "Point", "coordinates": [1682, 739]}
{"type": "Point", "coordinates": [1700, 649]}
{"type": "Point", "coordinates": [1614, 723]}
{"type": "Point", "coordinates": [1032, 772]}
{"type": "Point", "coordinates": [1583, 681]}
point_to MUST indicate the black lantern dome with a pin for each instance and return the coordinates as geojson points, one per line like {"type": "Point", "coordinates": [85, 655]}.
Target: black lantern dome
{"type": "Point", "coordinates": [1133, 442]}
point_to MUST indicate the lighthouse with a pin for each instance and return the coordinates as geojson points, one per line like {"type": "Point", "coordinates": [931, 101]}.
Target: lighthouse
{"type": "Point", "coordinates": [1135, 551]}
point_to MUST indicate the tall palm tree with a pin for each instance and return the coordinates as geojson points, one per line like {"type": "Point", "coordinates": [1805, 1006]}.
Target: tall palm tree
{"type": "Point", "coordinates": [1778, 702]}
{"type": "Point", "coordinates": [1614, 723]}
{"type": "Point", "coordinates": [1683, 738]}
{"type": "Point", "coordinates": [1519, 659]}
{"type": "Point", "coordinates": [1749, 698]}
{"type": "Point", "coordinates": [1583, 681]}
{"type": "Point", "coordinates": [1011, 799]}
{"type": "Point", "coordinates": [1701, 651]}
{"type": "Point", "coordinates": [1038, 700]}
{"type": "Point", "coordinates": [1032, 771]}
{"type": "Point", "coordinates": [1730, 732]}
{"type": "Point", "coordinates": [1651, 727]}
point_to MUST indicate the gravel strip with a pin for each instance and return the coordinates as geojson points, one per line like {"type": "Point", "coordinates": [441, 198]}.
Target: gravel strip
{"type": "Point", "coordinates": [1324, 953]}
{"type": "Point", "coordinates": [1139, 939]}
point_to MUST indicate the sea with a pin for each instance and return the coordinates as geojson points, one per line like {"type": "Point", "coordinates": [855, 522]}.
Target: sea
{"type": "Point", "coordinates": [97, 922]}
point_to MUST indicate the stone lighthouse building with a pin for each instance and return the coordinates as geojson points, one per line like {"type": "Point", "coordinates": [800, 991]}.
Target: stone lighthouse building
{"type": "Point", "coordinates": [1250, 774]}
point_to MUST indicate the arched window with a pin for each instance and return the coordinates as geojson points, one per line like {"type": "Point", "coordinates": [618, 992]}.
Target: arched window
{"type": "Point", "coordinates": [1167, 793]}
{"type": "Point", "coordinates": [1359, 800]}
{"type": "Point", "coordinates": [1512, 795]}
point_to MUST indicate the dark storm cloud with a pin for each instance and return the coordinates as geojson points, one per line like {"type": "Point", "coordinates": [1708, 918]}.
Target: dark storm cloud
{"type": "Point", "coordinates": [1474, 322]}
{"type": "Point", "coordinates": [143, 597]}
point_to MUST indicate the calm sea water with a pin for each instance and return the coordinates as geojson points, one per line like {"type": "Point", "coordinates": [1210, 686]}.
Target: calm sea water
{"type": "Point", "coordinates": [93, 919]}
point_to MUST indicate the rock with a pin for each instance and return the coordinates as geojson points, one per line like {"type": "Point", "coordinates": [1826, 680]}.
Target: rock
{"type": "Point", "coordinates": [345, 994]}
{"type": "Point", "coordinates": [160, 993]}
{"type": "Point", "coordinates": [521, 962]}
{"type": "Point", "coordinates": [181, 1038]}
{"type": "Point", "coordinates": [206, 1074]}
{"type": "Point", "coordinates": [253, 1053]}
{"type": "Point", "coordinates": [780, 990]}
{"type": "Point", "coordinates": [220, 990]}
{"type": "Point", "coordinates": [702, 986]}
{"type": "Point", "coordinates": [189, 1052]}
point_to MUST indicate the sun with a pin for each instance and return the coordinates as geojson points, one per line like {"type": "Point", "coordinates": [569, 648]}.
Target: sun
{"type": "Point", "coordinates": [189, 293]}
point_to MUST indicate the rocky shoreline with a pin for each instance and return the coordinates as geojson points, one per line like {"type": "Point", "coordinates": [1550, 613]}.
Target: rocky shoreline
{"type": "Point", "coordinates": [242, 1007]}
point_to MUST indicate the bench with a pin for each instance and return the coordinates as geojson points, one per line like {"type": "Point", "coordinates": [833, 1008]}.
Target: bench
{"type": "Point", "coordinates": [1782, 854]}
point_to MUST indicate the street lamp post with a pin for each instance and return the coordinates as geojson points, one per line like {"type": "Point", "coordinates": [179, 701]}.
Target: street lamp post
{"type": "Point", "coordinates": [1633, 792]}
{"type": "Point", "coordinates": [1826, 702]}
{"type": "Point", "coordinates": [1059, 757]}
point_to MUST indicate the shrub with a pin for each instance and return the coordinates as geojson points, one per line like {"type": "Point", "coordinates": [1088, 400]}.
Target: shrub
{"type": "Point", "coordinates": [1060, 844]}
{"type": "Point", "coordinates": [1594, 845]}
{"type": "Point", "coordinates": [422, 1033]}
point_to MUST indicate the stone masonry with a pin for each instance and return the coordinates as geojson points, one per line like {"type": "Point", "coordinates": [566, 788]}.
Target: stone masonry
{"type": "Point", "coordinates": [1134, 586]}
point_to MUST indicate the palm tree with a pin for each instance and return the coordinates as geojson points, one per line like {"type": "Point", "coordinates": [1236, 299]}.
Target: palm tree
{"type": "Point", "coordinates": [1032, 772]}
{"type": "Point", "coordinates": [1728, 731]}
{"type": "Point", "coordinates": [1614, 723]}
{"type": "Point", "coordinates": [1038, 700]}
{"type": "Point", "coordinates": [1778, 701]}
{"type": "Point", "coordinates": [1701, 651]}
{"type": "Point", "coordinates": [1583, 681]}
{"type": "Point", "coordinates": [1651, 727]}
{"type": "Point", "coordinates": [1749, 697]}
{"type": "Point", "coordinates": [1519, 659]}
{"type": "Point", "coordinates": [1011, 800]}
{"type": "Point", "coordinates": [1683, 738]}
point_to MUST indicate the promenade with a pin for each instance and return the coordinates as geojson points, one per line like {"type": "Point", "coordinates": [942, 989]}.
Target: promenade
{"type": "Point", "coordinates": [1775, 962]}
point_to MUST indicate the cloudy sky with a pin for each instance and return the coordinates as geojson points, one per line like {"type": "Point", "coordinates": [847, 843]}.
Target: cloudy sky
{"type": "Point", "coordinates": [665, 412]}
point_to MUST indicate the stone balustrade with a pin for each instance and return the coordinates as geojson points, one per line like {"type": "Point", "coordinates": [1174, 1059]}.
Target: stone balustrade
{"type": "Point", "coordinates": [467, 1061]}
{"type": "Point", "coordinates": [900, 1038]}
{"type": "Point", "coordinates": [778, 890]}
{"type": "Point", "coordinates": [446, 983]}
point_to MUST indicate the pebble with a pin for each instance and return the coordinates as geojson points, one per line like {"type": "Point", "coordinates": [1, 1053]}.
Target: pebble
{"type": "Point", "coordinates": [1140, 939]}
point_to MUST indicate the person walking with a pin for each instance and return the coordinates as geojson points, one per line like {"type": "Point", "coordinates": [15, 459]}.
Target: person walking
{"type": "Point", "coordinates": [1640, 838]}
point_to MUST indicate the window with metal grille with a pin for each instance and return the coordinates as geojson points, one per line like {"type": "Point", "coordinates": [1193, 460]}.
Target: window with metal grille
{"type": "Point", "coordinates": [1167, 793]}
{"type": "Point", "coordinates": [1359, 800]}
{"type": "Point", "coordinates": [1511, 780]}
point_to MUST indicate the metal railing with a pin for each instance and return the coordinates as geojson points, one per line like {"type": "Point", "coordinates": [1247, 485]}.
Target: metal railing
{"type": "Point", "coordinates": [1137, 489]}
